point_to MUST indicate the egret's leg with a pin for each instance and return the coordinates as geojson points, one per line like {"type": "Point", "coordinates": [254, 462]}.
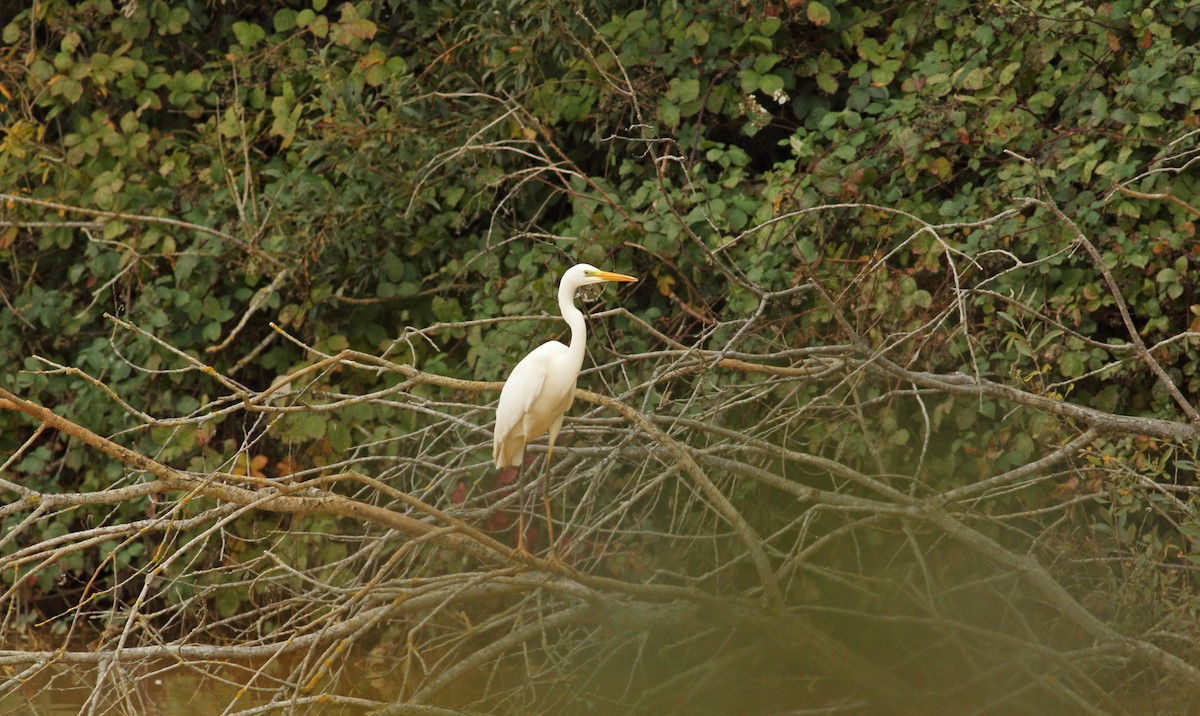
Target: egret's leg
{"type": "Point", "coordinates": [521, 549]}
{"type": "Point", "coordinates": [546, 501]}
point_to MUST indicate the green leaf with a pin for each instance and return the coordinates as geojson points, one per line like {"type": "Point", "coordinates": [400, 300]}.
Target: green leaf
{"type": "Point", "coordinates": [229, 601]}
{"type": "Point", "coordinates": [1009, 72]}
{"type": "Point", "coordinates": [122, 65]}
{"type": "Point", "coordinates": [684, 90]}
{"type": "Point", "coordinates": [67, 88]}
{"type": "Point", "coordinates": [669, 114]}
{"type": "Point", "coordinates": [447, 309]}
{"type": "Point", "coordinates": [974, 80]}
{"type": "Point", "coordinates": [1042, 101]}
{"type": "Point", "coordinates": [817, 13]}
{"type": "Point", "coordinates": [339, 436]}
{"type": "Point", "coordinates": [749, 80]}
{"type": "Point", "coordinates": [376, 75]}
{"type": "Point", "coordinates": [248, 34]}
{"type": "Point", "coordinates": [937, 84]}
{"type": "Point", "coordinates": [176, 19]}
{"type": "Point", "coordinates": [284, 20]}
{"type": "Point", "coordinates": [1150, 119]}
{"type": "Point", "coordinates": [771, 84]}
{"type": "Point", "coordinates": [305, 426]}
{"type": "Point", "coordinates": [699, 32]}
{"type": "Point", "coordinates": [1071, 364]}
{"type": "Point", "coordinates": [1124, 115]}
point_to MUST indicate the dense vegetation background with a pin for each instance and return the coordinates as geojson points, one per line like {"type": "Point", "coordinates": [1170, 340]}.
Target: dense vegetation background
{"type": "Point", "coordinates": [886, 250]}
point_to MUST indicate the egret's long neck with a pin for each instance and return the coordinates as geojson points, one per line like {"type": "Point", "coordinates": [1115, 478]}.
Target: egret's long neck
{"type": "Point", "coordinates": [574, 318]}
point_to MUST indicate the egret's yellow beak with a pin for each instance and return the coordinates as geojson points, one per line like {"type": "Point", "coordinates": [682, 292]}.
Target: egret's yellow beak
{"type": "Point", "coordinates": [610, 276]}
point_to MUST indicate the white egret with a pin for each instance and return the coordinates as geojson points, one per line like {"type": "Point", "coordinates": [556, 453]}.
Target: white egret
{"type": "Point", "coordinates": [541, 389]}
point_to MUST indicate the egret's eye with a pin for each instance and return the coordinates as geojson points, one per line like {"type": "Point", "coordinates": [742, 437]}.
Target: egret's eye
{"type": "Point", "coordinates": [590, 292]}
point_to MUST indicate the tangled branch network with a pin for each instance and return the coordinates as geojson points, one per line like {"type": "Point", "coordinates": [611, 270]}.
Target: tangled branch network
{"type": "Point", "coordinates": [747, 503]}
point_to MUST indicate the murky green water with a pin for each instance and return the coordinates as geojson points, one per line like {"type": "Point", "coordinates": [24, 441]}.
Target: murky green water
{"type": "Point", "coordinates": [62, 691]}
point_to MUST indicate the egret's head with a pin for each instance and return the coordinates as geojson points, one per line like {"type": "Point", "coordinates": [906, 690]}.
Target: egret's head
{"type": "Point", "coordinates": [586, 274]}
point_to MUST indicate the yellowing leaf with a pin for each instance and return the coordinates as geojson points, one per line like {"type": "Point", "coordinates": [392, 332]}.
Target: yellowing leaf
{"type": "Point", "coordinates": [817, 13]}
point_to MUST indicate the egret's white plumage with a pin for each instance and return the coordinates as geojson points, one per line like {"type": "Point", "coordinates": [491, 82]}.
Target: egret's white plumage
{"type": "Point", "coordinates": [541, 387]}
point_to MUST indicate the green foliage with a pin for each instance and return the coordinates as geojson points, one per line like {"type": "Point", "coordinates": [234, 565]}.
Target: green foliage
{"type": "Point", "coordinates": [403, 163]}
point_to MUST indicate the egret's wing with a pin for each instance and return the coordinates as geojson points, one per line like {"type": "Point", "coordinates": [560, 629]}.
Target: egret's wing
{"type": "Point", "coordinates": [519, 399]}
{"type": "Point", "coordinates": [518, 396]}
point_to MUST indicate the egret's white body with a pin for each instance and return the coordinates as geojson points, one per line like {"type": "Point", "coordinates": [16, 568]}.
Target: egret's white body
{"type": "Point", "coordinates": [541, 387]}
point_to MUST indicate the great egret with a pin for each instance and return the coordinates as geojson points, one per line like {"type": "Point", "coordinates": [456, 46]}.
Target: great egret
{"type": "Point", "coordinates": [541, 389]}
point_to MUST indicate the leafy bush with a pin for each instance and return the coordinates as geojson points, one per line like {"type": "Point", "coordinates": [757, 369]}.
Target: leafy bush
{"type": "Point", "coordinates": [923, 183]}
